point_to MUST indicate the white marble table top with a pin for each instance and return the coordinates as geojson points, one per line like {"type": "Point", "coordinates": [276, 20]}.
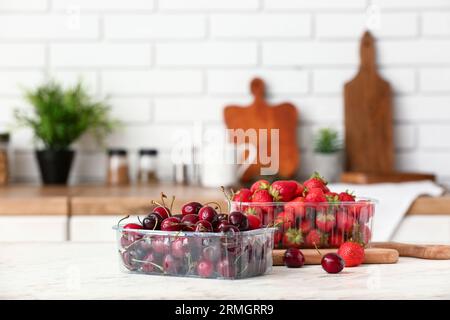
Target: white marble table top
{"type": "Point", "coordinates": [91, 271]}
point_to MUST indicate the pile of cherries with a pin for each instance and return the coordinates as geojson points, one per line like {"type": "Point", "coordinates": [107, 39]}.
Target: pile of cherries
{"type": "Point", "coordinates": [187, 252]}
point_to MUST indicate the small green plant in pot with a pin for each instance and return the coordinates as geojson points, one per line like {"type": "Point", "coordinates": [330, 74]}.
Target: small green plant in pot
{"type": "Point", "coordinates": [327, 153]}
{"type": "Point", "coordinates": [60, 116]}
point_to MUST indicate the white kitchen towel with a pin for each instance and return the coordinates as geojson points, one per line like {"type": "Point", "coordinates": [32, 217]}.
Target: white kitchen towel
{"type": "Point", "coordinates": [394, 201]}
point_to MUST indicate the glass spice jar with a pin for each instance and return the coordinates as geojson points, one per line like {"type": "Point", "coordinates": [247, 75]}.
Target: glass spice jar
{"type": "Point", "coordinates": [147, 166]}
{"type": "Point", "coordinates": [118, 172]}
{"type": "Point", "coordinates": [4, 165]}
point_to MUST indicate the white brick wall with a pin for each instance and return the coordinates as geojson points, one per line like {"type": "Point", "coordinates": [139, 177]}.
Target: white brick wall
{"type": "Point", "coordinates": [167, 64]}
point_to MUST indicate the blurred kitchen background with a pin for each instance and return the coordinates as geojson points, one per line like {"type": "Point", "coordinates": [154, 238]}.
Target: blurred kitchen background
{"type": "Point", "coordinates": [169, 67]}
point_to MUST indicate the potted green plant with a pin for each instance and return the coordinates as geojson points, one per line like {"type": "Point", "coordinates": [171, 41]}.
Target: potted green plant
{"type": "Point", "coordinates": [327, 153]}
{"type": "Point", "coordinates": [59, 117]}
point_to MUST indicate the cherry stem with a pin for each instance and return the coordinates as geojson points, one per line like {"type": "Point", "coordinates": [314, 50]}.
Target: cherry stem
{"type": "Point", "coordinates": [163, 196]}
{"type": "Point", "coordinates": [162, 206]}
{"type": "Point", "coordinates": [227, 196]}
{"type": "Point", "coordinates": [118, 223]}
{"type": "Point", "coordinates": [315, 246]}
{"type": "Point", "coordinates": [171, 204]}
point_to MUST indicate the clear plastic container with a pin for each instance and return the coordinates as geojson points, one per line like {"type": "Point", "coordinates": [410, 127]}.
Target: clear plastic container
{"type": "Point", "coordinates": [196, 254]}
{"type": "Point", "coordinates": [322, 224]}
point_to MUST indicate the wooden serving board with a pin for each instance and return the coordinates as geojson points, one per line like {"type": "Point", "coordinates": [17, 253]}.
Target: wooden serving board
{"type": "Point", "coordinates": [422, 251]}
{"type": "Point", "coordinates": [260, 115]}
{"type": "Point", "coordinates": [369, 139]}
{"type": "Point", "coordinates": [372, 256]}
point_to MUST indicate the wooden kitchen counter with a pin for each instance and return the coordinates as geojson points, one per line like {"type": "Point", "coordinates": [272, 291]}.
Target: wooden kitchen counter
{"type": "Point", "coordinates": [91, 271]}
{"type": "Point", "coordinates": [135, 199]}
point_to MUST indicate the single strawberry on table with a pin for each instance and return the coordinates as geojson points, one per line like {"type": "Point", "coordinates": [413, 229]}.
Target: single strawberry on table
{"type": "Point", "coordinates": [316, 181]}
{"type": "Point", "coordinates": [352, 253]}
{"type": "Point", "coordinates": [283, 190]}
{"type": "Point", "coordinates": [260, 185]}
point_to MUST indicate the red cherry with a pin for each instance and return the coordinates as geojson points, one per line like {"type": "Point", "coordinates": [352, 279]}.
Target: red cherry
{"type": "Point", "coordinates": [203, 226]}
{"type": "Point", "coordinates": [171, 224]}
{"type": "Point", "coordinates": [189, 221]}
{"type": "Point", "coordinates": [239, 220]}
{"type": "Point", "coordinates": [221, 224]}
{"type": "Point", "coordinates": [207, 213]}
{"type": "Point", "coordinates": [172, 265]}
{"type": "Point", "coordinates": [132, 226]}
{"type": "Point", "coordinates": [226, 269]}
{"type": "Point", "coordinates": [332, 263]}
{"type": "Point", "coordinates": [150, 263]}
{"type": "Point", "coordinates": [229, 228]}
{"type": "Point", "coordinates": [211, 253]}
{"type": "Point", "coordinates": [164, 212]}
{"type": "Point", "coordinates": [160, 245]}
{"type": "Point", "coordinates": [205, 268]}
{"type": "Point", "coordinates": [179, 247]}
{"type": "Point", "coordinates": [152, 221]}
{"type": "Point", "coordinates": [293, 258]}
{"type": "Point", "coordinates": [191, 208]}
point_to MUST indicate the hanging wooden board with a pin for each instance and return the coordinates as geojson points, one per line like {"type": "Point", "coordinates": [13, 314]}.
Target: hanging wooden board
{"type": "Point", "coordinates": [260, 115]}
{"type": "Point", "coordinates": [368, 116]}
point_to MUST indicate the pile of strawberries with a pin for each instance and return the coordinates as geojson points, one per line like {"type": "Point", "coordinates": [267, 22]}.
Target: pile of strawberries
{"type": "Point", "coordinates": [307, 214]}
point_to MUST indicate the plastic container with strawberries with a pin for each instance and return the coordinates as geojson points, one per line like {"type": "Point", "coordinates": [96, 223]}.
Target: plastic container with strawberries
{"type": "Point", "coordinates": [312, 215]}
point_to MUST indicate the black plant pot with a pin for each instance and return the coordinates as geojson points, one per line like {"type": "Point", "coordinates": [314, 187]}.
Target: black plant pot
{"type": "Point", "coordinates": [55, 165]}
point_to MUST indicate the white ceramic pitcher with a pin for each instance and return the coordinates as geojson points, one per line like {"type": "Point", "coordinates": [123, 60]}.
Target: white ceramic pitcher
{"type": "Point", "coordinates": [224, 165]}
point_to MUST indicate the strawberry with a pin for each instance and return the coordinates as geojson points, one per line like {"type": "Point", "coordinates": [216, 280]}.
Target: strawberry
{"type": "Point", "coordinates": [361, 233]}
{"type": "Point", "coordinates": [325, 221]}
{"type": "Point", "coordinates": [315, 195]}
{"type": "Point", "coordinates": [243, 195]}
{"type": "Point", "coordinates": [344, 221]}
{"type": "Point", "coordinates": [352, 253]}
{"type": "Point", "coordinates": [254, 222]}
{"type": "Point", "coordinates": [332, 196]}
{"type": "Point", "coordinates": [262, 195]}
{"type": "Point", "coordinates": [300, 189]}
{"type": "Point", "coordinates": [260, 185]}
{"type": "Point", "coordinates": [296, 206]}
{"type": "Point", "coordinates": [285, 220]}
{"type": "Point", "coordinates": [292, 238]}
{"type": "Point", "coordinates": [306, 226]}
{"type": "Point", "coordinates": [336, 240]}
{"type": "Point", "coordinates": [346, 197]}
{"type": "Point", "coordinates": [315, 238]}
{"type": "Point", "coordinates": [283, 190]}
{"type": "Point", "coordinates": [278, 236]}
{"type": "Point", "coordinates": [363, 211]}
{"type": "Point", "coordinates": [316, 181]}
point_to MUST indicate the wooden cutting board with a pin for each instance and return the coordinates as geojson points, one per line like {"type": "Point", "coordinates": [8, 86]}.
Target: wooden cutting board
{"type": "Point", "coordinates": [422, 251]}
{"type": "Point", "coordinates": [368, 116]}
{"type": "Point", "coordinates": [372, 256]}
{"type": "Point", "coordinates": [260, 115]}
